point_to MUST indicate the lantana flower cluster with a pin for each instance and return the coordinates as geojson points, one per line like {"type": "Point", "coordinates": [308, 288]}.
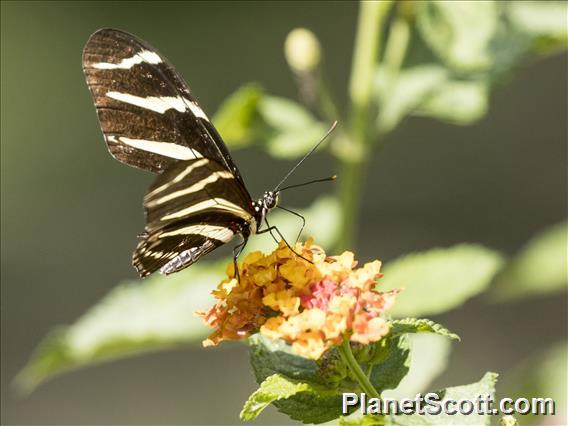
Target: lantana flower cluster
{"type": "Point", "coordinates": [312, 306]}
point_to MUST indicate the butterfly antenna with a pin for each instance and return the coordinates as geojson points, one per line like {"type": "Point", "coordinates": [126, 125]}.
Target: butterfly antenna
{"type": "Point", "coordinates": [331, 129]}
{"type": "Point", "coordinates": [327, 179]}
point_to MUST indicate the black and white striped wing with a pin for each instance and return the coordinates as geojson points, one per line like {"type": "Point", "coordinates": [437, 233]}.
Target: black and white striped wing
{"type": "Point", "coordinates": [147, 113]}
{"type": "Point", "coordinates": [151, 120]}
{"type": "Point", "coordinates": [191, 209]}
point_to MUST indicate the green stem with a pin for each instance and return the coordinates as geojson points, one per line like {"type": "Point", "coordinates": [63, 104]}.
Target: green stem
{"type": "Point", "coordinates": [354, 152]}
{"type": "Point", "coordinates": [367, 45]}
{"type": "Point", "coordinates": [395, 53]}
{"type": "Point", "coordinates": [397, 45]}
{"type": "Point", "coordinates": [350, 190]}
{"type": "Point", "coordinates": [358, 373]}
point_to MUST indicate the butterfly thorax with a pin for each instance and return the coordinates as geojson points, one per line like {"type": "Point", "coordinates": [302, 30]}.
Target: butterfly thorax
{"type": "Point", "coordinates": [263, 205]}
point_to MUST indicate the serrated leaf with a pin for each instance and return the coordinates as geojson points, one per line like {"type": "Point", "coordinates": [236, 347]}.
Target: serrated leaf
{"type": "Point", "coordinates": [300, 401]}
{"type": "Point", "coordinates": [322, 402]}
{"type": "Point", "coordinates": [312, 406]}
{"type": "Point", "coordinates": [268, 357]}
{"type": "Point", "coordinates": [272, 389]}
{"type": "Point", "coordinates": [540, 268]}
{"type": "Point", "coordinates": [135, 317]}
{"type": "Point", "coordinates": [414, 325]}
{"type": "Point", "coordinates": [486, 386]}
{"type": "Point", "coordinates": [394, 352]}
{"type": "Point", "coordinates": [460, 33]}
{"type": "Point", "coordinates": [438, 280]}
{"type": "Point", "coordinates": [237, 118]}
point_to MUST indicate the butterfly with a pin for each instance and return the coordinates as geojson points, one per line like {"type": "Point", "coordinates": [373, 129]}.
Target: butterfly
{"type": "Point", "coordinates": [151, 120]}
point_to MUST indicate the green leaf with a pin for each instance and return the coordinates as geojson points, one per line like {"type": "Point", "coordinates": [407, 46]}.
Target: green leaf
{"type": "Point", "coordinates": [322, 401]}
{"type": "Point", "coordinates": [294, 129]}
{"type": "Point", "coordinates": [454, 101]}
{"type": "Point", "coordinates": [400, 97]}
{"type": "Point", "coordinates": [358, 420]}
{"type": "Point", "coordinates": [541, 375]}
{"type": "Point", "coordinates": [296, 142]}
{"type": "Point", "coordinates": [540, 268]}
{"type": "Point", "coordinates": [387, 365]}
{"type": "Point", "coordinates": [393, 352]}
{"type": "Point", "coordinates": [414, 325]}
{"type": "Point", "coordinates": [486, 386]}
{"type": "Point", "coordinates": [284, 114]}
{"type": "Point", "coordinates": [314, 406]}
{"type": "Point", "coordinates": [135, 317]}
{"type": "Point", "coordinates": [472, 47]}
{"type": "Point", "coordinates": [433, 354]}
{"type": "Point", "coordinates": [438, 280]}
{"type": "Point", "coordinates": [268, 357]}
{"type": "Point", "coordinates": [429, 90]}
{"type": "Point", "coordinates": [327, 378]}
{"type": "Point", "coordinates": [394, 355]}
{"type": "Point", "coordinates": [545, 21]}
{"type": "Point", "coordinates": [300, 401]}
{"type": "Point", "coordinates": [237, 118]}
{"type": "Point", "coordinates": [284, 127]}
{"type": "Point", "coordinates": [272, 389]}
{"type": "Point", "coordinates": [460, 33]}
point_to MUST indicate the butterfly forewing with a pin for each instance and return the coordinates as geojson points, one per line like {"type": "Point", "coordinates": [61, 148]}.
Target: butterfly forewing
{"type": "Point", "coordinates": [147, 113]}
{"type": "Point", "coordinates": [151, 120]}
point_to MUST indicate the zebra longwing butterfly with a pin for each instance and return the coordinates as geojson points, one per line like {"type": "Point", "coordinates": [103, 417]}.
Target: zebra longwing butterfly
{"type": "Point", "coordinates": [151, 120]}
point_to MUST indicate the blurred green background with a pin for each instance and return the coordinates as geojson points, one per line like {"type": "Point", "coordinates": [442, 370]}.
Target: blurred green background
{"type": "Point", "coordinates": [70, 213]}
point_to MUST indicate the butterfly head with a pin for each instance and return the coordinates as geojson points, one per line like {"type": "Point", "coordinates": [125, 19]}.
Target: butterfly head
{"type": "Point", "coordinates": [270, 199]}
{"type": "Point", "coordinates": [267, 202]}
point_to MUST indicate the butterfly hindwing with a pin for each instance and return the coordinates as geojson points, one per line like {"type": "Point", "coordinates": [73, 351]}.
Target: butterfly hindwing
{"type": "Point", "coordinates": [192, 208]}
{"type": "Point", "coordinates": [172, 252]}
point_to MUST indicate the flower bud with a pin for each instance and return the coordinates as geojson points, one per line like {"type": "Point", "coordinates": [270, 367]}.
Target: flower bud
{"type": "Point", "coordinates": [302, 50]}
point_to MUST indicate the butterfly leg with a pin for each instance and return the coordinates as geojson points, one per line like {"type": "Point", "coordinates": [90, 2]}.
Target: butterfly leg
{"type": "Point", "coordinates": [236, 253]}
{"type": "Point", "coordinates": [274, 228]}
{"type": "Point", "coordinates": [269, 230]}
{"type": "Point", "coordinates": [296, 214]}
